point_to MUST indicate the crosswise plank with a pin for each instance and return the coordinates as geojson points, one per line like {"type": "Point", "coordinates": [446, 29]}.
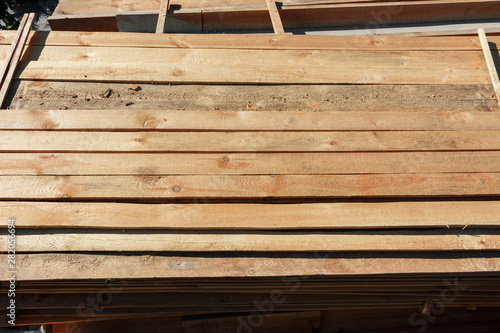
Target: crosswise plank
{"type": "Point", "coordinates": [27, 141]}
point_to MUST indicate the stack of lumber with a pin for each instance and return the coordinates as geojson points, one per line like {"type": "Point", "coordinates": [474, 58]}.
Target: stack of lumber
{"type": "Point", "coordinates": [224, 15]}
{"type": "Point", "coordinates": [196, 178]}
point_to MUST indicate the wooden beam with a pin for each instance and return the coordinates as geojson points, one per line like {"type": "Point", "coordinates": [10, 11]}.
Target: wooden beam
{"type": "Point", "coordinates": [162, 16]}
{"type": "Point", "coordinates": [352, 215]}
{"type": "Point", "coordinates": [50, 141]}
{"type": "Point", "coordinates": [275, 17]}
{"type": "Point", "coordinates": [240, 186]}
{"type": "Point", "coordinates": [14, 58]}
{"type": "Point", "coordinates": [490, 63]}
{"type": "Point", "coordinates": [94, 266]}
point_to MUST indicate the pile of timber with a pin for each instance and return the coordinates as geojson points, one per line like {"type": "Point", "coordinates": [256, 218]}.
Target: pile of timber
{"type": "Point", "coordinates": [243, 15]}
{"type": "Point", "coordinates": [196, 178]}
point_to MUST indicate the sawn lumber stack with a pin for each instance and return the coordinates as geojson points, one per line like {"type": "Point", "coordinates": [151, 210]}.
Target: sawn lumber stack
{"type": "Point", "coordinates": [202, 170]}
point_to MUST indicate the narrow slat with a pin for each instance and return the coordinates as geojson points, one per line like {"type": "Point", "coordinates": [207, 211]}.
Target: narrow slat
{"type": "Point", "coordinates": [15, 58]}
{"type": "Point", "coordinates": [162, 16]}
{"type": "Point", "coordinates": [82, 164]}
{"type": "Point", "coordinates": [12, 49]}
{"type": "Point", "coordinates": [490, 63]}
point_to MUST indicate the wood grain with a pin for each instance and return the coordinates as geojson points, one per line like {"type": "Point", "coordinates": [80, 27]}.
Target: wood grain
{"type": "Point", "coordinates": [426, 214]}
{"type": "Point", "coordinates": [48, 141]}
{"type": "Point", "coordinates": [237, 186]}
{"type": "Point", "coordinates": [47, 266]}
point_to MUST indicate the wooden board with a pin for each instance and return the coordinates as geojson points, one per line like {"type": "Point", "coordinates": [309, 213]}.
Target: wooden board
{"type": "Point", "coordinates": [48, 141]}
{"type": "Point", "coordinates": [247, 164]}
{"type": "Point", "coordinates": [238, 186]}
{"type": "Point", "coordinates": [246, 41]}
{"type": "Point", "coordinates": [351, 215]}
{"type": "Point", "coordinates": [89, 266]}
{"type": "Point", "coordinates": [155, 241]}
{"type": "Point", "coordinates": [169, 120]}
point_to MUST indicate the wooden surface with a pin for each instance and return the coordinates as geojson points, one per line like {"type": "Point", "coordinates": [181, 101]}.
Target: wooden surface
{"type": "Point", "coordinates": [208, 171]}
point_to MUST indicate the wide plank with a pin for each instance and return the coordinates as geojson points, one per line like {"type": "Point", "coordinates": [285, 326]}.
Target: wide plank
{"type": "Point", "coordinates": [118, 241]}
{"type": "Point", "coordinates": [352, 215]}
{"type": "Point", "coordinates": [158, 120]}
{"type": "Point", "coordinates": [246, 41]}
{"type": "Point", "coordinates": [50, 141]}
{"type": "Point", "coordinates": [47, 266]}
{"type": "Point", "coordinates": [251, 73]}
{"type": "Point", "coordinates": [236, 186]}
{"type": "Point", "coordinates": [139, 164]}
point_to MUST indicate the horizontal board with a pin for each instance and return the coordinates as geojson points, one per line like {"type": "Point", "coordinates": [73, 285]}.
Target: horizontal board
{"type": "Point", "coordinates": [280, 186]}
{"type": "Point", "coordinates": [252, 73]}
{"type": "Point", "coordinates": [428, 214]}
{"type": "Point", "coordinates": [50, 141]}
{"type": "Point", "coordinates": [346, 59]}
{"type": "Point", "coordinates": [85, 241]}
{"type": "Point", "coordinates": [82, 164]}
{"type": "Point", "coordinates": [247, 120]}
{"type": "Point", "coordinates": [254, 41]}
{"type": "Point", "coordinates": [47, 266]}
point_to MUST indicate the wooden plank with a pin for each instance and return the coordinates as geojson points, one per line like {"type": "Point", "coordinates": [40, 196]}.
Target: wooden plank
{"type": "Point", "coordinates": [427, 214]}
{"type": "Point", "coordinates": [246, 41]}
{"type": "Point", "coordinates": [348, 14]}
{"type": "Point", "coordinates": [236, 186]}
{"type": "Point", "coordinates": [162, 16]}
{"type": "Point", "coordinates": [119, 241]}
{"type": "Point", "coordinates": [10, 54]}
{"type": "Point", "coordinates": [50, 141]}
{"type": "Point", "coordinates": [490, 63]}
{"type": "Point", "coordinates": [275, 17]}
{"type": "Point", "coordinates": [158, 120]}
{"type": "Point", "coordinates": [384, 61]}
{"type": "Point", "coordinates": [15, 59]}
{"type": "Point", "coordinates": [92, 266]}
{"type": "Point", "coordinates": [214, 69]}
{"type": "Point", "coordinates": [17, 164]}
